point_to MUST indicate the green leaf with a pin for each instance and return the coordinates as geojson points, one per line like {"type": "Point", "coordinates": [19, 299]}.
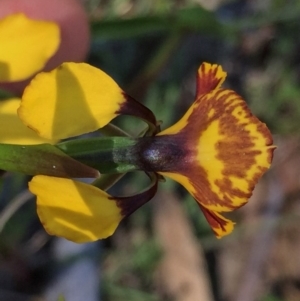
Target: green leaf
{"type": "Point", "coordinates": [42, 159]}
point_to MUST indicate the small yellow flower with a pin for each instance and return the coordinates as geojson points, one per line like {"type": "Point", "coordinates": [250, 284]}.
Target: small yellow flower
{"type": "Point", "coordinates": [218, 150]}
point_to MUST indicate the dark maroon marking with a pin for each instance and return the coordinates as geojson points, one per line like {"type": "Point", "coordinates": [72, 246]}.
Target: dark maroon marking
{"type": "Point", "coordinates": [207, 82]}
{"type": "Point", "coordinates": [134, 108]}
{"type": "Point", "coordinates": [213, 219]}
{"type": "Point", "coordinates": [130, 204]}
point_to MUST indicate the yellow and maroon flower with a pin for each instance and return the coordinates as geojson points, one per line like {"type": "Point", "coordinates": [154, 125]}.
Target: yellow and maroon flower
{"type": "Point", "coordinates": [218, 150]}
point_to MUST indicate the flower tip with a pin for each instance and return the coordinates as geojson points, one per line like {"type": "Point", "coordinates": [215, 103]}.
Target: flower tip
{"type": "Point", "coordinates": [210, 77]}
{"type": "Point", "coordinates": [225, 230]}
{"type": "Point", "coordinates": [220, 225]}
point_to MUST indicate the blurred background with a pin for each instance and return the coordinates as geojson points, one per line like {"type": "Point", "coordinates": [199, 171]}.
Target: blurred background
{"type": "Point", "coordinates": [166, 250]}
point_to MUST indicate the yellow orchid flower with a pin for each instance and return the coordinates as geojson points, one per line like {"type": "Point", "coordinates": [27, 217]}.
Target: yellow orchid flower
{"type": "Point", "coordinates": [218, 150]}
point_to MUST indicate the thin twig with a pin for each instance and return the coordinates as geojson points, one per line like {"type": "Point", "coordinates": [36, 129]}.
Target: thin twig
{"type": "Point", "coordinates": [14, 205]}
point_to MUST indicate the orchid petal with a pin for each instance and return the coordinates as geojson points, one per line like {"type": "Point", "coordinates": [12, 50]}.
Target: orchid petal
{"type": "Point", "coordinates": [81, 212]}
{"type": "Point", "coordinates": [26, 46]}
{"type": "Point", "coordinates": [74, 99]}
{"type": "Point", "coordinates": [12, 130]}
{"type": "Point", "coordinates": [76, 211]}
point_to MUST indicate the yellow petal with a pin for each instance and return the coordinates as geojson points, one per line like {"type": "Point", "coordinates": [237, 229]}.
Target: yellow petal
{"type": "Point", "coordinates": [70, 100]}
{"type": "Point", "coordinates": [219, 224]}
{"type": "Point", "coordinates": [226, 150]}
{"type": "Point", "coordinates": [12, 130]}
{"type": "Point", "coordinates": [210, 77]}
{"type": "Point", "coordinates": [26, 46]}
{"type": "Point", "coordinates": [76, 211]}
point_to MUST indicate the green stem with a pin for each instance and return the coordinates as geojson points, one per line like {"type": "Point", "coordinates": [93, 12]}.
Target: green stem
{"type": "Point", "coordinates": [107, 154]}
